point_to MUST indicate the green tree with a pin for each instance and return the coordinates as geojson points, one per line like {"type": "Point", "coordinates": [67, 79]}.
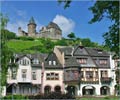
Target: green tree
{"type": "Point", "coordinates": [9, 35]}
{"type": "Point", "coordinates": [110, 10]}
{"type": "Point", "coordinates": [71, 35]}
{"type": "Point", "coordinates": [5, 51]}
{"type": "Point", "coordinates": [100, 10]}
{"type": "Point", "coordinates": [66, 2]}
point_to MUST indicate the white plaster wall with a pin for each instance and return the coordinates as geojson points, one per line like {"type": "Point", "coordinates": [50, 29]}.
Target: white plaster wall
{"type": "Point", "coordinates": [38, 77]}
{"type": "Point", "coordinates": [96, 86]}
{"type": "Point", "coordinates": [28, 74]}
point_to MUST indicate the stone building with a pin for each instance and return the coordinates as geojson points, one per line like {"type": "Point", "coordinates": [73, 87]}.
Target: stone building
{"type": "Point", "coordinates": [52, 31]}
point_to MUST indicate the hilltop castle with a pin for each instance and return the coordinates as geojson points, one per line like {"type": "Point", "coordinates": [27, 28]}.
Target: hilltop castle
{"type": "Point", "coordinates": [52, 31]}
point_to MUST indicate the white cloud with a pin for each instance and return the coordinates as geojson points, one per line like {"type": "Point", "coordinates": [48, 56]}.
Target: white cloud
{"type": "Point", "coordinates": [67, 25]}
{"type": "Point", "coordinates": [21, 13]}
{"type": "Point", "coordinates": [13, 27]}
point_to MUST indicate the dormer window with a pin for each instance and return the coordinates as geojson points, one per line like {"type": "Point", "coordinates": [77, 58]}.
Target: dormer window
{"type": "Point", "coordinates": [50, 62]}
{"type": "Point", "coordinates": [35, 61]}
{"type": "Point", "coordinates": [24, 62]}
{"type": "Point", "coordinates": [54, 62]}
{"type": "Point", "coordinates": [82, 60]}
{"type": "Point", "coordinates": [103, 61]}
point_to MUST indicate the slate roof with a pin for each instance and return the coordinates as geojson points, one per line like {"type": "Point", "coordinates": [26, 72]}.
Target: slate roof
{"type": "Point", "coordinates": [32, 21]}
{"type": "Point", "coordinates": [41, 57]}
{"type": "Point", "coordinates": [71, 62]}
{"type": "Point", "coordinates": [67, 50]}
{"type": "Point", "coordinates": [52, 57]}
{"type": "Point", "coordinates": [91, 51]}
{"type": "Point", "coordinates": [53, 25]}
{"type": "Point", "coordinates": [97, 52]}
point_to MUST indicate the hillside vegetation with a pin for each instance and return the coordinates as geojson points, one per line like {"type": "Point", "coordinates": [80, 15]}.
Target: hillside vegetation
{"type": "Point", "coordinates": [31, 45]}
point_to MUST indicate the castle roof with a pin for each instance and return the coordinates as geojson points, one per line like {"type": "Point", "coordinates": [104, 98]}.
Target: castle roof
{"type": "Point", "coordinates": [32, 21]}
{"type": "Point", "coordinates": [53, 25]}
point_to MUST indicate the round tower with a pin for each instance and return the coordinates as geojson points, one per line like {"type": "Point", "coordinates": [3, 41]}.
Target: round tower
{"type": "Point", "coordinates": [31, 27]}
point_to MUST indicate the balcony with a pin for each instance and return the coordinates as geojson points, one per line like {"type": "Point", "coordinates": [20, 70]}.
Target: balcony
{"type": "Point", "coordinates": [90, 80]}
{"type": "Point", "coordinates": [106, 80]}
{"type": "Point", "coordinates": [70, 77]}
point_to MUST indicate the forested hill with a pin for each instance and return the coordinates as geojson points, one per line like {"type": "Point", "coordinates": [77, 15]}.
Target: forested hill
{"type": "Point", "coordinates": [33, 45]}
{"type": "Point", "coordinates": [30, 45]}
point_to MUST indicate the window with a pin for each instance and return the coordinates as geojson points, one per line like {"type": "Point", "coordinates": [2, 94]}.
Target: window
{"type": "Point", "coordinates": [82, 60]}
{"type": "Point", "coordinates": [34, 75]}
{"type": "Point", "coordinates": [35, 61]}
{"type": "Point", "coordinates": [76, 74]}
{"type": "Point", "coordinates": [24, 62]}
{"type": "Point", "coordinates": [47, 76]}
{"type": "Point", "coordinates": [52, 76]}
{"type": "Point", "coordinates": [24, 71]}
{"type": "Point", "coordinates": [56, 76]}
{"type": "Point", "coordinates": [96, 74]}
{"type": "Point", "coordinates": [54, 62]}
{"type": "Point", "coordinates": [14, 73]}
{"type": "Point", "coordinates": [89, 74]}
{"type": "Point", "coordinates": [50, 62]}
{"type": "Point", "coordinates": [82, 74]}
{"type": "Point", "coordinates": [104, 73]}
{"type": "Point", "coordinates": [103, 62]}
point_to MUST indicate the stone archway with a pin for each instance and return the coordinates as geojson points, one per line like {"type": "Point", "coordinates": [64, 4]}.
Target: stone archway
{"type": "Point", "coordinates": [47, 89]}
{"type": "Point", "coordinates": [57, 88]}
{"type": "Point", "coordinates": [88, 90]}
{"type": "Point", "coordinates": [72, 90]}
{"type": "Point", "coordinates": [104, 90]}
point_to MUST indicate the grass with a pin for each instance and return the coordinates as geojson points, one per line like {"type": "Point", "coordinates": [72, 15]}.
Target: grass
{"type": "Point", "coordinates": [20, 45]}
{"type": "Point", "coordinates": [99, 98]}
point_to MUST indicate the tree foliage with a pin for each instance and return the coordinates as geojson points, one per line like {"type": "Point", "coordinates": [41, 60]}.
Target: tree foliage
{"type": "Point", "coordinates": [9, 35]}
{"type": "Point", "coordinates": [71, 35]}
{"type": "Point", "coordinates": [5, 51]}
{"type": "Point", "coordinates": [110, 10]}
{"type": "Point", "coordinates": [66, 3]}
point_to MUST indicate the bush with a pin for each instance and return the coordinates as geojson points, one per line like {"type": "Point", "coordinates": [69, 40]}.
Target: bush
{"type": "Point", "coordinates": [107, 97]}
{"type": "Point", "coordinates": [9, 97]}
{"type": "Point", "coordinates": [52, 95]}
{"type": "Point", "coordinates": [25, 38]}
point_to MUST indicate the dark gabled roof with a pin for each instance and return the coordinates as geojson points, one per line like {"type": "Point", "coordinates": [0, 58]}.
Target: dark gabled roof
{"type": "Point", "coordinates": [40, 56]}
{"type": "Point", "coordinates": [67, 50]}
{"type": "Point", "coordinates": [52, 57]}
{"type": "Point", "coordinates": [53, 25]}
{"type": "Point", "coordinates": [97, 52]}
{"type": "Point", "coordinates": [79, 50]}
{"type": "Point", "coordinates": [87, 51]}
{"type": "Point", "coordinates": [71, 62]}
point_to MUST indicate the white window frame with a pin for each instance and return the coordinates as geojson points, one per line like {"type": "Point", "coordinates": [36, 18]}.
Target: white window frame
{"type": "Point", "coordinates": [54, 62]}
{"type": "Point", "coordinates": [50, 62]}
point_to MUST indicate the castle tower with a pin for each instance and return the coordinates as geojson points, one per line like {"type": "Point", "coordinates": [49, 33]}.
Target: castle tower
{"type": "Point", "coordinates": [31, 27]}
